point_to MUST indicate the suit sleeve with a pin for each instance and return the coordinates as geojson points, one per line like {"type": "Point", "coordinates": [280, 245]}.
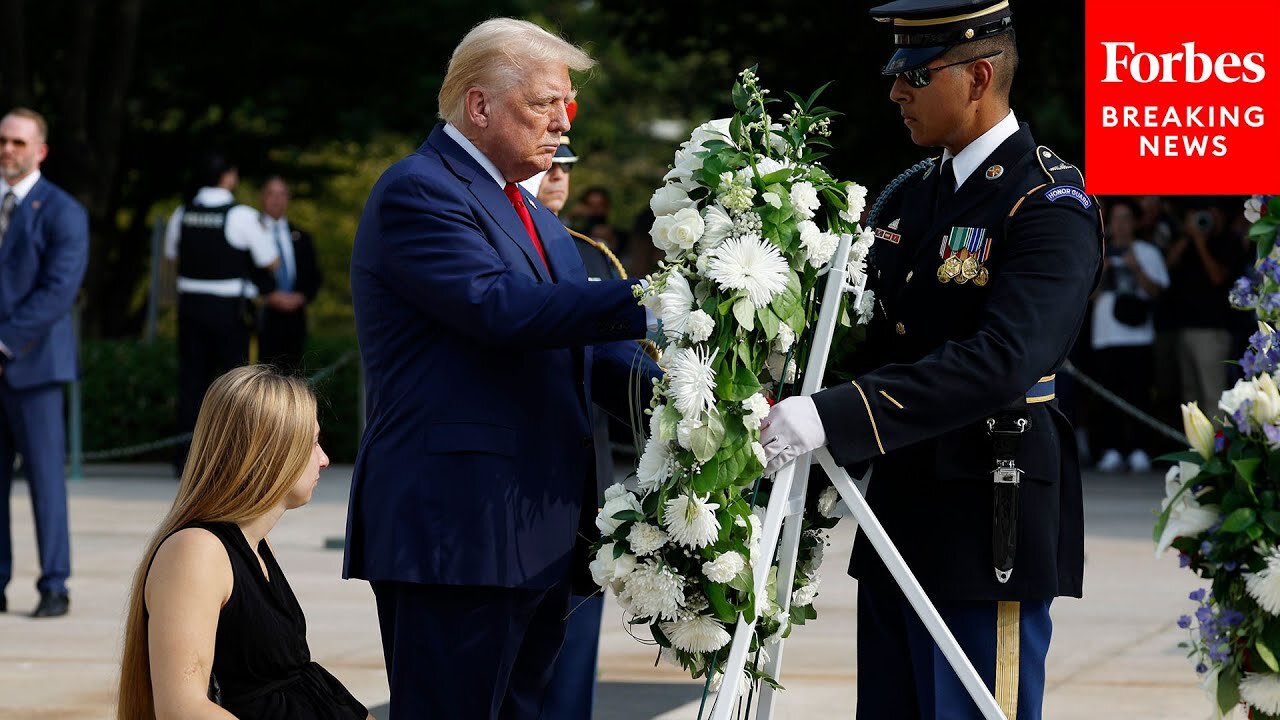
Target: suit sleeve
{"type": "Point", "coordinates": [1037, 301]}
{"type": "Point", "coordinates": [622, 376]}
{"type": "Point", "coordinates": [436, 257]}
{"type": "Point", "coordinates": [61, 271]}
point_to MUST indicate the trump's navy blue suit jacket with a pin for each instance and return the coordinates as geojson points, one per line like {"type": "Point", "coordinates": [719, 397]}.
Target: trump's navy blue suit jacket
{"type": "Point", "coordinates": [42, 262]}
{"type": "Point", "coordinates": [477, 456]}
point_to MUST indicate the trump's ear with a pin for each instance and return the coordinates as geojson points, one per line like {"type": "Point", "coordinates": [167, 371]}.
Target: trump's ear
{"type": "Point", "coordinates": [479, 107]}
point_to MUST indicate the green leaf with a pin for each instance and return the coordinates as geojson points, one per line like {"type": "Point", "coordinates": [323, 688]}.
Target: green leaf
{"type": "Point", "coordinates": [744, 313]}
{"type": "Point", "coordinates": [1189, 456]}
{"type": "Point", "coordinates": [705, 440]}
{"type": "Point", "coordinates": [736, 382]}
{"type": "Point", "coordinates": [1228, 689]}
{"type": "Point", "coordinates": [1248, 468]}
{"type": "Point", "coordinates": [814, 97]}
{"type": "Point", "coordinates": [631, 515]}
{"type": "Point", "coordinates": [742, 581]}
{"type": "Point", "coordinates": [707, 478]}
{"type": "Point", "coordinates": [740, 97]}
{"type": "Point", "coordinates": [619, 550]}
{"type": "Point", "coordinates": [1238, 520]}
{"type": "Point", "coordinates": [719, 603]}
{"type": "Point", "coordinates": [667, 427]}
{"type": "Point", "coordinates": [1271, 518]}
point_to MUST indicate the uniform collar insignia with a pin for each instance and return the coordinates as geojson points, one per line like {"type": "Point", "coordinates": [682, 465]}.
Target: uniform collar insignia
{"type": "Point", "coordinates": [995, 171]}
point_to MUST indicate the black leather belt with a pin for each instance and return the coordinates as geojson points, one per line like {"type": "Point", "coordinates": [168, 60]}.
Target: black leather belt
{"type": "Point", "coordinates": [1006, 429]}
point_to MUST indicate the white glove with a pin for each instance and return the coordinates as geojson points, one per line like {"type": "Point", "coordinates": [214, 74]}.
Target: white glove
{"type": "Point", "coordinates": [792, 429]}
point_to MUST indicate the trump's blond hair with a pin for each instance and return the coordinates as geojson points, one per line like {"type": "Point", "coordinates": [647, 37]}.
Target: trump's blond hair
{"type": "Point", "coordinates": [496, 55]}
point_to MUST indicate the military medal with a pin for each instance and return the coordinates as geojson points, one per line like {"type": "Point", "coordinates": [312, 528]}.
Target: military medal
{"type": "Point", "coordinates": [951, 245]}
{"type": "Point", "coordinates": [982, 277]}
{"type": "Point", "coordinates": [969, 268]}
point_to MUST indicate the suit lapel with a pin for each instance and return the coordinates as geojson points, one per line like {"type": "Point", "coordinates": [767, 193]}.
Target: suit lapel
{"type": "Point", "coordinates": [555, 241]}
{"type": "Point", "coordinates": [23, 215]}
{"type": "Point", "coordinates": [490, 196]}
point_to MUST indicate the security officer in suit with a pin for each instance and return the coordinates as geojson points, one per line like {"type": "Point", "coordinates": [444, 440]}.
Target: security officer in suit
{"type": "Point", "coordinates": [282, 332]}
{"type": "Point", "coordinates": [982, 266]}
{"type": "Point", "coordinates": [44, 250]}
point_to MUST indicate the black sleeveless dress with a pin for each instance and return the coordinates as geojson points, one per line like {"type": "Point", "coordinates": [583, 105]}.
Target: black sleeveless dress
{"type": "Point", "coordinates": [261, 661]}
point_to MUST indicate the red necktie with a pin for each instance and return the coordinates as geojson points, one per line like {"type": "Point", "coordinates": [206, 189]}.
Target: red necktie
{"type": "Point", "coordinates": [517, 200]}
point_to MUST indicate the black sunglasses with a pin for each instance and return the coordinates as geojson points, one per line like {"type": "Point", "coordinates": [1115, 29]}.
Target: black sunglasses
{"type": "Point", "coordinates": [567, 167]}
{"type": "Point", "coordinates": [922, 76]}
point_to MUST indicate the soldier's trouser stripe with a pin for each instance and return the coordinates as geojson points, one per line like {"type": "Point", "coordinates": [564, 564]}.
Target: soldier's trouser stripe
{"type": "Point", "coordinates": [1007, 644]}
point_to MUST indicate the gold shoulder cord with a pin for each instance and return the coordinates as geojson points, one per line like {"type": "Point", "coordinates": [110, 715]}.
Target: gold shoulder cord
{"type": "Point", "coordinates": [603, 249]}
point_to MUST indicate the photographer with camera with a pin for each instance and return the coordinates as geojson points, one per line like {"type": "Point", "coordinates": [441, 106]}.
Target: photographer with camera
{"type": "Point", "coordinates": [1123, 335]}
{"type": "Point", "coordinates": [1203, 261]}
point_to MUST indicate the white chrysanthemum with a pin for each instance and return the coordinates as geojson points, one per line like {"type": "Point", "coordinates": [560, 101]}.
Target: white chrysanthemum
{"type": "Point", "coordinates": [698, 634]}
{"type": "Point", "coordinates": [774, 363]}
{"type": "Point", "coordinates": [756, 408]}
{"type": "Point", "coordinates": [751, 264]}
{"type": "Point", "coordinates": [1264, 585]}
{"type": "Point", "coordinates": [700, 326]}
{"type": "Point", "coordinates": [1261, 691]}
{"type": "Point", "coordinates": [691, 521]}
{"type": "Point", "coordinates": [724, 568]}
{"type": "Point", "coordinates": [857, 200]}
{"type": "Point", "coordinates": [645, 539]}
{"type": "Point", "coordinates": [786, 337]}
{"type": "Point", "coordinates": [653, 591]}
{"type": "Point", "coordinates": [675, 302]}
{"type": "Point", "coordinates": [655, 465]}
{"type": "Point", "coordinates": [607, 571]}
{"type": "Point", "coordinates": [692, 381]}
{"type": "Point", "coordinates": [606, 522]}
{"type": "Point", "coordinates": [805, 595]}
{"type": "Point", "coordinates": [668, 199]}
{"type": "Point", "coordinates": [655, 420]}
{"type": "Point", "coordinates": [716, 227]}
{"type": "Point", "coordinates": [687, 228]}
{"type": "Point", "coordinates": [818, 246]}
{"type": "Point", "coordinates": [827, 502]}
{"type": "Point", "coordinates": [804, 198]}
{"type": "Point", "coordinates": [758, 450]}
{"type": "Point", "coordinates": [684, 431]}
{"type": "Point", "coordinates": [859, 249]}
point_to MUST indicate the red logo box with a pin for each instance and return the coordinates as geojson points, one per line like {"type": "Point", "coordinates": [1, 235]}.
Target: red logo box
{"type": "Point", "coordinates": [1182, 97]}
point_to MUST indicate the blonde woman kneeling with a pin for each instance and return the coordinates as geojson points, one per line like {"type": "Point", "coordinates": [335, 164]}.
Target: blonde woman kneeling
{"type": "Point", "coordinates": [213, 630]}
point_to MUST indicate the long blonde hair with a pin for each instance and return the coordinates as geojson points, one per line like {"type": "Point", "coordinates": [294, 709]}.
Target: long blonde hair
{"type": "Point", "coordinates": [252, 440]}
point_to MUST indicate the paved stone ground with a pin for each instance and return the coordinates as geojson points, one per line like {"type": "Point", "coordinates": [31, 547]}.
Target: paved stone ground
{"type": "Point", "coordinates": [1114, 653]}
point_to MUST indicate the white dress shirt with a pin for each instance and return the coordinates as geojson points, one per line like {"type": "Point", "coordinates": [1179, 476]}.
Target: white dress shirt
{"type": "Point", "coordinates": [243, 231]}
{"type": "Point", "coordinates": [475, 154]}
{"type": "Point", "coordinates": [976, 152]}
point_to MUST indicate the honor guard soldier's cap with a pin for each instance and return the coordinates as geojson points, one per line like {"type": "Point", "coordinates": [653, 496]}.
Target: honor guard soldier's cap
{"type": "Point", "coordinates": [564, 154]}
{"type": "Point", "coordinates": [924, 29]}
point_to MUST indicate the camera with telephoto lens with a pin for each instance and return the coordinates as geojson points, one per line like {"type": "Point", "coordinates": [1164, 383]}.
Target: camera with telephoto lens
{"type": "Point", "coordinates": [1203, 221]}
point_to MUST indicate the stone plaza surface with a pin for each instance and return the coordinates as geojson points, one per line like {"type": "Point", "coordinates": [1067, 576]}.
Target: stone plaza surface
{"type": "Point", "coordinates": [1114, 653]}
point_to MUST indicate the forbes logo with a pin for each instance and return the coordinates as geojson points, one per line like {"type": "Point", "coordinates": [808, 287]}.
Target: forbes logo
{"type": "Point", "coordinates": [1187, 66]}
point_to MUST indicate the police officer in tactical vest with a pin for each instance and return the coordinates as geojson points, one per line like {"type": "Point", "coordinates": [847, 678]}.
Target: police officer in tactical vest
{"type": "Point", "coordinates": [983, 262]}
{"type": "Point", "coordinates": [225, 259]}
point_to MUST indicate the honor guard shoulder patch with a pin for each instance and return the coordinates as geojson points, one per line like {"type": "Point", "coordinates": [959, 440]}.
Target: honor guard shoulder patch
{"type": "Point", "coordinates": [1069, 191]}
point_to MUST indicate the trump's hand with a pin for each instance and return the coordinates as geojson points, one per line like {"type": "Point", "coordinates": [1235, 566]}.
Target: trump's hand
{"type": "Point", "coordinates": [792, 429]}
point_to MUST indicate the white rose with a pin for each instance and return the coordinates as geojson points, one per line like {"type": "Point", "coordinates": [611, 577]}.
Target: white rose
{"type": "Point", "coordinates": [716, 227]}
{"type": "Point", "coordinates": [661, 234]}
{"type": "Point", "coordinates": [605, 520]}
{"type": "Point", "coordinates": [686, 164]}
{"type": "Point", "coordinates": [804, 197]}
{"type": "Point", "coordinates": [710, 130]}
{"type": "Point", "coordinates": [606, 569]}
{"type": "Point", "coordinates": [668, 199]}
{"type": "Point", "coordinates": [614, 491]}
{"type": "Point", "coordinates": [686, 229]}
{"type": "Point", "coordinates": [699, 326]}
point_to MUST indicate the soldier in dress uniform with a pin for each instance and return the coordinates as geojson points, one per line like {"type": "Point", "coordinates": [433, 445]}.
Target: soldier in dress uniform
{"type": "Point", "coordinates": [982, 266]}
